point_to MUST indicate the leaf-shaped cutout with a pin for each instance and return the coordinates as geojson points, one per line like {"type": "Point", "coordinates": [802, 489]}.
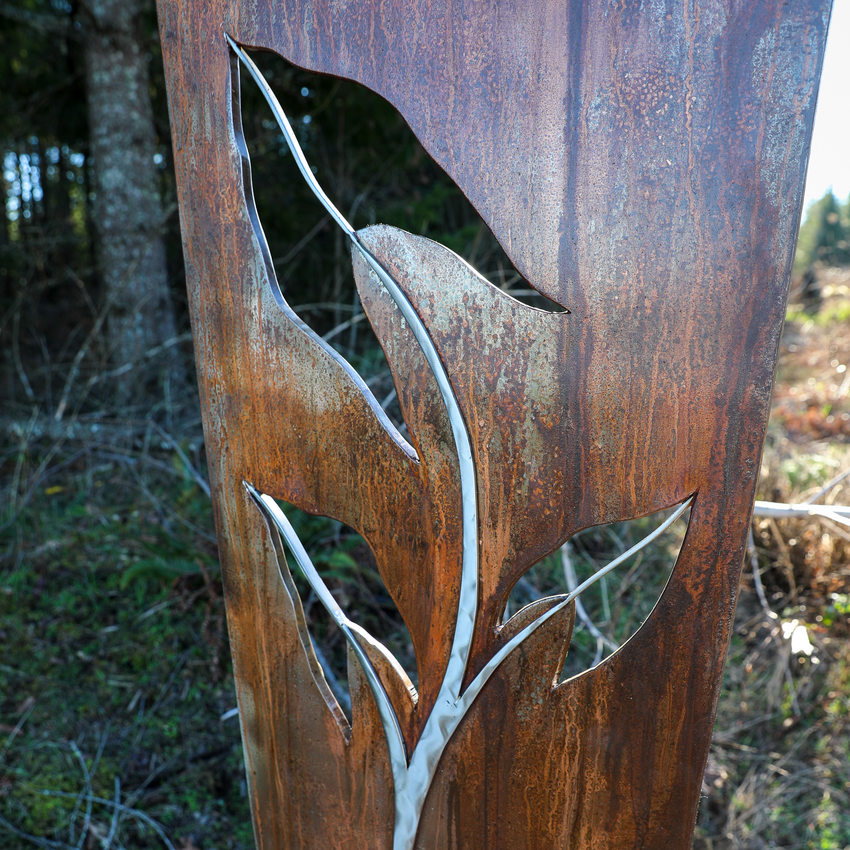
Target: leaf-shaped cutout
{"type": "Point", "coordinates": [315, 666]}
{"type": "Point", "coordinates": [392, 179]}
{"type": "Point", "coordinates": [333, 546]}
{"type": "Point", "coordinates": [362, 479]}
{"type": "Point", "coordinates": [612, 609]}
{"type": "Point", "coordinates": [347, 564]}
{"type": "Point", "coordinates": [400, 689]}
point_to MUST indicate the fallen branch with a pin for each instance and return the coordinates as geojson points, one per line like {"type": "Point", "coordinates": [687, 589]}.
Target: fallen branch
{"type": "Point", "coordinates": [780, 510]}
{"type": "Point", "coordinates": [135, 813]}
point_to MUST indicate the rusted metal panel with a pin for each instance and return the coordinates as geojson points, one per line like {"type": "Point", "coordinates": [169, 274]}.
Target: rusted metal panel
{"type": "Point", "coordinates": [642, 163]}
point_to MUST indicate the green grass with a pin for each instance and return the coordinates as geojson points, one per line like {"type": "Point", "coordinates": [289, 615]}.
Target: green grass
{"type": "Point", "coordinates": [830, 314]}
{"type": "Point", "coordinates": [115, 671]}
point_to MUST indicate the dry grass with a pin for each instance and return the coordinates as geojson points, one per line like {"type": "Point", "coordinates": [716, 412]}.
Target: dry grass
{"type": "Point", "coordinates": [779, 770]}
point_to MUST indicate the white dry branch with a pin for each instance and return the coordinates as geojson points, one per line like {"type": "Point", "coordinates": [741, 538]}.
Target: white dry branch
{"type": "Point", "coordinates": [781, 510]}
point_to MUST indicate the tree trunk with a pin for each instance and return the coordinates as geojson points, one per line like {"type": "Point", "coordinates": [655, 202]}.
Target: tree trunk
{"type": "Point", "coordinates": [128, 215]}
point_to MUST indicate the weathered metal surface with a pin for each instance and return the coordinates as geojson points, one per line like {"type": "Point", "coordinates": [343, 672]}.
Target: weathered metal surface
{"type": "Point", "coordinates": [642, 163]}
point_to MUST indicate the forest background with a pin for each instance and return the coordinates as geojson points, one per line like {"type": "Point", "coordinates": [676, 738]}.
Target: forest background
{"type": "Point", "coordinates": [117, 727]}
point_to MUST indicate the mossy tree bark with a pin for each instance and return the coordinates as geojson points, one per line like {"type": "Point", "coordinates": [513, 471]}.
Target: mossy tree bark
{"type": "Point", "coordinates": [128, 213]}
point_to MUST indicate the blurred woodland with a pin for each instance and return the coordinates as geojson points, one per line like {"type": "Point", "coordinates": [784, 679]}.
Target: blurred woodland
{"type": "Point", "coordinates": [117, 727]}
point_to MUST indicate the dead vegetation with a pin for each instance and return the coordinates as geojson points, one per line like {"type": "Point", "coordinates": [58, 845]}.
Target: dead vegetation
{"type": "Point", "coordinates": [779, 771]}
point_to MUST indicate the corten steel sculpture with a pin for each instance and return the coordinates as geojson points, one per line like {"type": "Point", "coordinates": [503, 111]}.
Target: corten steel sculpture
{"type": "Point", "coordinates": [642, 163]}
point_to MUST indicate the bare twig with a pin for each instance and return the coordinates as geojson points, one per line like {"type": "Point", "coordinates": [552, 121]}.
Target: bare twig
{"type": "Point", "coordinates": [785, 557]}
{"type": "Point", "coordinates": [73, 371]}
{"type": "Point", "coordinates": [389, 399]}
{"type": "Point", "coordinates": [124, 368]}
{"type": "Point", "coordinates": [833, 482]}
{"type": "Point", "coordinates": [302, 242]}
{"type": "Point", "coordinates": [18, 501]}
{"type": "Point", "coordinates": [172, 444]}
{"type": "Point", "coordinates": [56, 24]}
{"type": "Point", "coordinates": [16, 352]}
{"type": "Point", "coordinates": [135, 813]}
{"type": "Point", "coordinates": [86, 796]}
{"type": "Point", "coordinates": [116, 816]}
{"type": "Point", "coordinates": [836, 528]}
{"type": "Point", "coordinates": [30, 705]}
{"type": "Point", "coordinates": [572, 582]}
{"type": "Point", "coordinates": [34, 839]}
{"type": "Point", "coordinates": [343, 326]}
{"type": "Point", "coordinates": [779, 510]}
{"type": "Point", "coordinates": [754, 564]}
{"type": "Point", "coordinates": [307, 306]}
